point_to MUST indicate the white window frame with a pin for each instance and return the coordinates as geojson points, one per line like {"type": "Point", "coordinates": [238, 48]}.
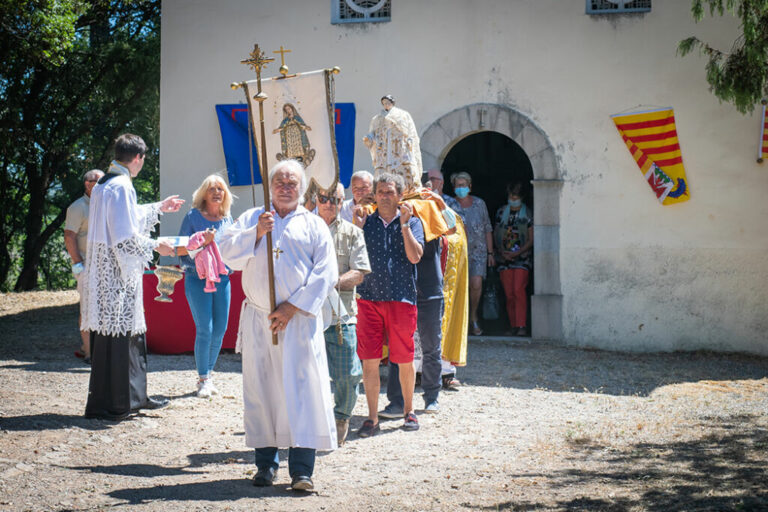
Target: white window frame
{"type": "Point", "coordinates": [366, 12]}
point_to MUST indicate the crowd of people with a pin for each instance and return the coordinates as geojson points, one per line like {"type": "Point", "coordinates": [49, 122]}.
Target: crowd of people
{"type": "Point", "coordinates": [354, 280]}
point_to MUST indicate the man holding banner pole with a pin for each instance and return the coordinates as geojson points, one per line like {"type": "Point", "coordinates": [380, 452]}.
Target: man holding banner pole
{"type": "Point", "coordinates": [286, 387]}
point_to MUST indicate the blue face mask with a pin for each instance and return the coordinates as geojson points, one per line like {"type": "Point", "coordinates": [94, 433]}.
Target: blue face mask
{"type": "Point", "coordinates": [517, 203]}
{"type": "Point", "coordinates": [461, 192]}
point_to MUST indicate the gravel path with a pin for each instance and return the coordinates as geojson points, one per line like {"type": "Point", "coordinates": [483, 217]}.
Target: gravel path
{"type": "Point", "coordinates": [535, 427]}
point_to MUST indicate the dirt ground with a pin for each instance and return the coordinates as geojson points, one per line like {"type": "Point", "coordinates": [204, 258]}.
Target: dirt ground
{"type": "Point", "coordinates": [535, 427]}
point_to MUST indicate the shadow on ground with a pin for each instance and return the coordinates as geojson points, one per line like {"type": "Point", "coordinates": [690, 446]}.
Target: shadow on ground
{"type": "Point", "coordinates": [531, 365]}
{"type": "Point", "coordinates": [197, 462]}
{"type": "Point", "coordinates": [215, 490]}
{"type": "Point", "coordinates": [725, 470]}
{"type": "Point", "coordinates": [44, 340]}
{"type": "Point", "coordinates": [34, 340]}
{"type": "Point", "coordinates": [51, 421]}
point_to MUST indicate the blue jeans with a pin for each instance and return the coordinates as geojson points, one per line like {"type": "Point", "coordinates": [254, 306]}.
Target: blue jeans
{"type": "Point", "coordinates": [430, 333]}
{"type": "Point", "coordinates": [301, 461]}
{"type": "Point", "coordinates": [211, 313]}
{"type": "Point", "coordinates": [344, 367]}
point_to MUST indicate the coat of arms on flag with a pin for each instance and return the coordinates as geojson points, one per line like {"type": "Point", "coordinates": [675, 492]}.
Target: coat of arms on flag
{"type": "Point", "coordinates": [299, 123]}
{"type": "Point", "coordinates": [651, 137]}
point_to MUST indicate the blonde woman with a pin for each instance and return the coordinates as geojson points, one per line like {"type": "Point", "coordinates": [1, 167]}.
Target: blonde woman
{"type": "Point", "coordinates": [210, 214]}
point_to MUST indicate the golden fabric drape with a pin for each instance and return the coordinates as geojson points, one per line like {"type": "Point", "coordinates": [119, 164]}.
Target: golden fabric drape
{"type": "Point", "coordinates": [456, 296]}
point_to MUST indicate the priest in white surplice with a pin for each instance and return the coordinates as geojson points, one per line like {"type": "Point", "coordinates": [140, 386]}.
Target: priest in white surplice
{"type": "Point", "coordinates": [119, 247]}
{"type": "Point", "coordinates": [286, 387]}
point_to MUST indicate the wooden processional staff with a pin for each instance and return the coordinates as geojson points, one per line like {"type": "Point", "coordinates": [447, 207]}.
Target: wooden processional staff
{"type": "Point", "coordinates": [257, 61]}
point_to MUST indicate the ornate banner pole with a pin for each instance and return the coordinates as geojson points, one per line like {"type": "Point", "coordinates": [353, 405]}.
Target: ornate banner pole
{"type": "Point", "coordinates": [257, 61]}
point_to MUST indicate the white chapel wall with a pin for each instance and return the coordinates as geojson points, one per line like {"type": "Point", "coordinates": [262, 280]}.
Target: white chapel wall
{"type": "Point", "coordinates": [634, 275]}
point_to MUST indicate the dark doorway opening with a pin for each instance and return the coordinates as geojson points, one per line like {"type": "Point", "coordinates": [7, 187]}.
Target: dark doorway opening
{"type": "Point", "coordinates": [493, 160]}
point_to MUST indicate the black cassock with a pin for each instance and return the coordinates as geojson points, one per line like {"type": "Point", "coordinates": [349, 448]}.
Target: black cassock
{"type": "Point", "coordinates": [118, 383]}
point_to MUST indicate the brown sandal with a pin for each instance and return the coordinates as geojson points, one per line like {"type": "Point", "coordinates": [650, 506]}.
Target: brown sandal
{"type": "Point", "coordinates": [450, 382]}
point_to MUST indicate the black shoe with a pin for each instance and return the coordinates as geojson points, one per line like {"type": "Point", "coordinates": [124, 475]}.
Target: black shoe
{"type": "Point", "coordinates": [154, 404]}
{"type": "Point", "coordinates": [368, 429]}
{"type": "Point", "coordinates": [302, 483]}
{"type": "Point", "coordinates": [265, 477]}
{"type": "Point", "coordinates": [87, 360]}
{"type": "Point", "coordinates": [104, 415]}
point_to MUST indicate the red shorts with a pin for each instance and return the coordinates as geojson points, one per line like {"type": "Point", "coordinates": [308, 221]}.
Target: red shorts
{"type": "Point", "coordinates": [396, 319]}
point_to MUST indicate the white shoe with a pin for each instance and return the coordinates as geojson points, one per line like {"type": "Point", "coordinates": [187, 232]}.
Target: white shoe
{"type": "Point", "coordinates": [204, 389]}
{"type": "Point", "coordinates": [213, 388]}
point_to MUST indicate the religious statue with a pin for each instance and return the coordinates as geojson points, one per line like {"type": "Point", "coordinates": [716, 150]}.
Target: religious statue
{"type": "Point", "coordinates": [294, 142]}
{"type": "Point", "coordinates": [394, 144]}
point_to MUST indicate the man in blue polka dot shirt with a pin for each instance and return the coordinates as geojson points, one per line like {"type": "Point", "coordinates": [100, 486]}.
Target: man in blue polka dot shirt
{"type": "Point", "coordinates": [387, 303]}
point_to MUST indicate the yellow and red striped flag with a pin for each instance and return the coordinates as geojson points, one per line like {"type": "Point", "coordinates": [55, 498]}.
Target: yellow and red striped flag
{"type": "Point", "coordinates": [651, 137]}
{"type": "Point", "coordinates": [762, 154]}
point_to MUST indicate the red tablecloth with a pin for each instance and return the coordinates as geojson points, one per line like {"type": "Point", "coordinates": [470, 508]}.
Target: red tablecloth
{"type": "Point", "coordinates": [170, 328]}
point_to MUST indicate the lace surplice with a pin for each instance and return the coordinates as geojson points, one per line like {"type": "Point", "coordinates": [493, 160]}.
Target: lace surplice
{"type": "Point", "coordinates": [117, 255]}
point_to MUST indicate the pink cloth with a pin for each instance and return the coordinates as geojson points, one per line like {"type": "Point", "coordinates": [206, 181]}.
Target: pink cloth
{"type": "Point", "coordinates": [208, 262]}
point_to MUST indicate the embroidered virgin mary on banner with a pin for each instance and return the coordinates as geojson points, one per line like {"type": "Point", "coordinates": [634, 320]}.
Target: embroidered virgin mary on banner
{"type": "Point", "coordinates": [294, 142]}
{"type": "Point", "coordinates": [299, 123]}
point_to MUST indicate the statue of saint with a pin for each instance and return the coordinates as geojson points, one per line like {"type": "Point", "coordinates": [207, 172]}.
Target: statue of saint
{"type": "Point", "coordinates": [294, 142]}
{"type": "Point", "coordinates": [394, 144]}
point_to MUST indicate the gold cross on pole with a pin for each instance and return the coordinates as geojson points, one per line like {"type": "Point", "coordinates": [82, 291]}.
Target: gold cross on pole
{"type": "Point", "coordinates": [257, 60]}
{"type": "Point", "coordinates": [278, 251]}
{"type": "Point", "coordinates": [282, 51]}
{"type": "Point", "coordinates": [283, 68]}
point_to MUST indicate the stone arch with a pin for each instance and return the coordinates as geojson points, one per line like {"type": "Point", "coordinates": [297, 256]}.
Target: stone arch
{"type": "Point", "coordinates": [444, 133]}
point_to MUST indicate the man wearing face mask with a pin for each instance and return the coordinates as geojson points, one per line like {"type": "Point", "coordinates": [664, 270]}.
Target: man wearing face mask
{"type": "Point", "coordinates": [514, 240]}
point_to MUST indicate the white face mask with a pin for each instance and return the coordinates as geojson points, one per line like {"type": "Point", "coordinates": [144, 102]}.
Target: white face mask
{"type": "Point", "coordinates": [515, 203]}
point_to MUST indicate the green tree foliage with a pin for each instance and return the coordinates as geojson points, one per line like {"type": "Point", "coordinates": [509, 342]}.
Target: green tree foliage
{"type": "Point", "coordinates": [75, 75]}
{"type": "Point", "coordinates": [739, 76]}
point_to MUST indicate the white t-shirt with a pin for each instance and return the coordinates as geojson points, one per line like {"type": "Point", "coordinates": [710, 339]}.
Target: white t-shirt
{"type": "Point", "coordinates": [77, 222]}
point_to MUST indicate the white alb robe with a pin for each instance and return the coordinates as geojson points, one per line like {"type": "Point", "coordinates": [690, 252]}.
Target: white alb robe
{"type": "Point", "coordinates": [286, 387]}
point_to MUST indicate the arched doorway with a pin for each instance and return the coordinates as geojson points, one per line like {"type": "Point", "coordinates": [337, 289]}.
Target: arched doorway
{"type": "Point", "coordinates": [493, 160]}
{"type": "Point", "coordinates": [451, 129]}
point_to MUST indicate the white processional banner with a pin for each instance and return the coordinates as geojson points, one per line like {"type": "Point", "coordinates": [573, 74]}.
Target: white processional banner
{"type": "Point", "coordinates": [298, 123]}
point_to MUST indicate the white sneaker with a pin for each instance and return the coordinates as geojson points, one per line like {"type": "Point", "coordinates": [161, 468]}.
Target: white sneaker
{"type": "Point", "coordinates": [213, 388]}
{"type": "Point", "coordinates": [204, 389]}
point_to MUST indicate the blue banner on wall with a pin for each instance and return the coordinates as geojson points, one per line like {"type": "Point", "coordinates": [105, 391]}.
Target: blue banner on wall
{"type": "Point", "coordinates": [345, 140]}
{"type": "Point", "coordinates": [233, 123]}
